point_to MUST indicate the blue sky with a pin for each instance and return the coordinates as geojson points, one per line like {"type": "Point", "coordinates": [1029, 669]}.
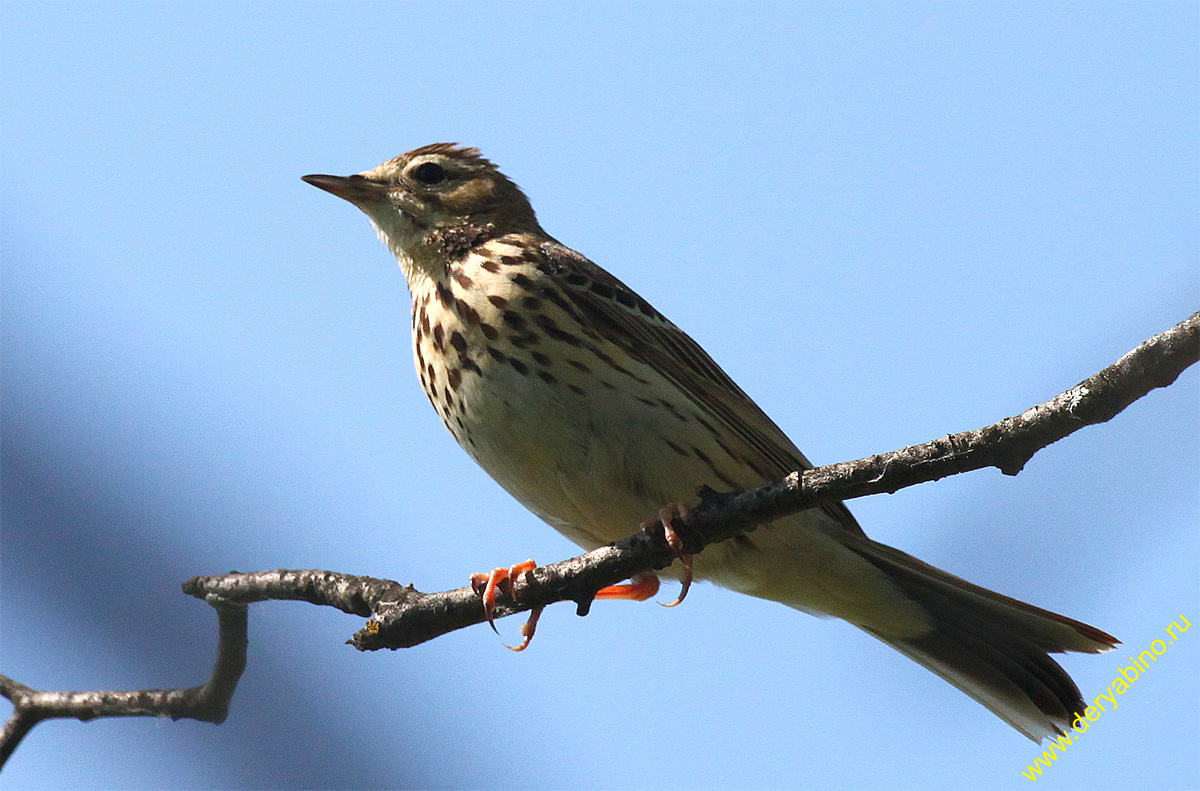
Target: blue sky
{"type": "Point", "coordinates": [886, 221]}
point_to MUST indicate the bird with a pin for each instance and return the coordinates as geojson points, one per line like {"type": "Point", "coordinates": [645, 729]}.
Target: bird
{"type": "Point", "coordinates": [599, 414]}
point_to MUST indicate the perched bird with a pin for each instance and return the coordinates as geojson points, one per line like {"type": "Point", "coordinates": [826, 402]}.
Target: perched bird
{"type": "Point", "coordinates": [595, 412]}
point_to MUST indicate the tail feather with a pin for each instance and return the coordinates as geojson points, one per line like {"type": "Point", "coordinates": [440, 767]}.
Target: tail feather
{"type": "Point", "coordinates": [992, 647]}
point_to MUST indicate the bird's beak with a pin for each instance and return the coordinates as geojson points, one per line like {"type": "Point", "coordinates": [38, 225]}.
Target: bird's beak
{"type": "Point", "coordinates": [359, 190]}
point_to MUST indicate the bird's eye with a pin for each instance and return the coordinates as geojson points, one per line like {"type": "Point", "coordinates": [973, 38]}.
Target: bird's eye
{"type": "Point", "coordinates": [429, 173]}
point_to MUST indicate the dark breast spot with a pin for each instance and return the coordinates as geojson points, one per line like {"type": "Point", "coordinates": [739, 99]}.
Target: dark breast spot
{"type": "Point", "coordinates": [608, 360]}
{"type": "Point", "coordinates": [524, 340]}
{"type": "Point", "coordinates": [552, 329]}
{"type": "Point", "coordinates": [498, 301]}
{"type": "Point", "coordinates": [489, 332]}
{"type": "Point", "coordinates": [458, 241]}
{"type": "Point", "coordinates": [461, 278]}
{"type": "Point", "coordinates": [519, 366]}
{"type": "Point", "coordinates": [469, 314]}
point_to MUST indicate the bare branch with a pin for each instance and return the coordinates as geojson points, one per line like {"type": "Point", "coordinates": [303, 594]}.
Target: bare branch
{"type": "Point", "coordinates": [403, 616]}
{"type": "Point", "coordinates": [208, 703]}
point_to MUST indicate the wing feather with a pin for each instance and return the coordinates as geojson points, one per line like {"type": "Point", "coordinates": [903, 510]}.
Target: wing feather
{"type": "Point", "coordinates": [623, 318]}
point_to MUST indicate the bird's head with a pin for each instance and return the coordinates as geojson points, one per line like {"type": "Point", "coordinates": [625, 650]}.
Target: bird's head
{"type": "Point", "coordinates": [432, 201]}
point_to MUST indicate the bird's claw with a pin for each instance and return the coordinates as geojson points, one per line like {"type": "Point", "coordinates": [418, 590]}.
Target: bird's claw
{"type": "Point", "coordinates": [666, 516]}
{"type": "Point", "coordinates": [486, 587]}
{"type": "Point", "coordinates": [640, 587]}
{"type": "Point", "coordinates": [527, 630]}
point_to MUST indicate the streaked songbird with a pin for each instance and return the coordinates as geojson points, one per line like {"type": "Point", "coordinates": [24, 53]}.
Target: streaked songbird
{"type": "Point", "coordinates": [596, 412]}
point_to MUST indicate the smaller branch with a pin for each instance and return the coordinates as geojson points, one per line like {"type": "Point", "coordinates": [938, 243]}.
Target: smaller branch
{"type": "Point", "coordinates": [352, 594]}
{"type": "Point", "coordinates": [207, 703]}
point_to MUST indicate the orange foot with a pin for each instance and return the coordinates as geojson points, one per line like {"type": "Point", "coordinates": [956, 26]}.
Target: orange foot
{"type": "Point", "coordinates": [486, 587]}
{"type": "Point", "coordinates": [639, 588]}
{"type": "Point", "coordinates": [666, 515]}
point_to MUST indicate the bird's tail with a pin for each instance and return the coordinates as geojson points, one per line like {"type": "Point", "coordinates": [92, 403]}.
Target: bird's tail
{"type": "Point", "coordinates": [994, 648]}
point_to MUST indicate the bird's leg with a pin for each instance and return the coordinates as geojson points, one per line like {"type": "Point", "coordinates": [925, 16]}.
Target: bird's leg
{"type": "Point", "coordinates": [501, 579]}
{"type": "Point", "coordinates": [642, 586]}
{"type": "Point", "coordinates": [639, 588]}
{"type": "Point", "coordinates": [666, 515]}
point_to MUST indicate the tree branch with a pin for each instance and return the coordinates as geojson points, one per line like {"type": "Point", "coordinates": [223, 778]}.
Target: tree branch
{"type": "Point", "coordinates": [403, 616]}
{"type": "Point", "coordinates": [208, 703]}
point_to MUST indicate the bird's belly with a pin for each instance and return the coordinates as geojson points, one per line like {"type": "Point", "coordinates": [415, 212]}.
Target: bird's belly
{"type": "Point", "coordinates": [594, 465]}
{"type": "Point", "coordinates": [586, 464]}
